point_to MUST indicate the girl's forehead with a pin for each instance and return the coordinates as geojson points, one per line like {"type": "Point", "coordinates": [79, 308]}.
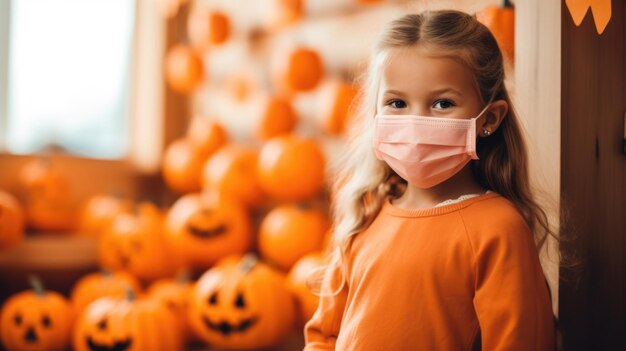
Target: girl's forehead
{"type": "Point", "coordinates": [416, 70]}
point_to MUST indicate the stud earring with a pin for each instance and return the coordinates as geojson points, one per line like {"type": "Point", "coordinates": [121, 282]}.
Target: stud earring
{"type": "Point", "coordinates": [486, 132]}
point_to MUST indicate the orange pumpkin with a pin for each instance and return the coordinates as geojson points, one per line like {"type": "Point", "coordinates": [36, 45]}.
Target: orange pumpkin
{"type": "Point", "coordinates": [96, 285]}
{"type": "Point", "coordinates": [184, 69]}
{"type": "Point", "coordinates": [230, 172]}
{"type": "Point", "coordinates": [182, 166]}
{"type": "Point", "coordinates": [129, 324]}
{"type": "Point", "coordinates": [98, 212]}
{"type": "Point", "coordinates": [291, 168]}
{"type": "Point", "coordinates": [297, 279]}
{"type": "Point", "coordinates": [48, 204]}
{"type": "Point", "coordinates": [501, 22]}
{"type": "Point", "coordinates": [207, 28]}
{"type": "Point", "coordinates": [240, 86]}
{"type": "Point", "coordinates": [202, 230]}
{"type": "Point", "coordinates": [174, 294]}
{"type": "Point", "coordinates": [206, 135]}
{"type": "Point", "coordinates": [135, 242]}
{"type": "Point", "coordinates": [277, 118]}
{"type": "Point", "coordinates": [11, 221]}
{"type": "Point", "coordinates": [289, 12]}
{"type": "Point", "coordinates": [242, 305]}
{"type": "Point", "coordinates": [289, 232]}
{"type": "Point", "coordinates": [304, 70]}
{"type": "Point", "coordinates": [336, 112]}
{"type": "Point", "coordinates": [36, 320]}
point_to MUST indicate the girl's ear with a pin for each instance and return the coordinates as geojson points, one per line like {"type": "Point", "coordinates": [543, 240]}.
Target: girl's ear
{"type": "Point", "coordinates": [493, 117]}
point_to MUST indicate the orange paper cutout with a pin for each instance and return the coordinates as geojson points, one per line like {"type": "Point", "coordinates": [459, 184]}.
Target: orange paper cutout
{"type": "Point", "coordinates": [600, 9]}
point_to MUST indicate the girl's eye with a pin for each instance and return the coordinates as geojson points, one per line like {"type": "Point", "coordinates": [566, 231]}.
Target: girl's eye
{"type": "Point", "coordinates": [443, 104]}
{"type": "Point", "coordinates": [397, 104]}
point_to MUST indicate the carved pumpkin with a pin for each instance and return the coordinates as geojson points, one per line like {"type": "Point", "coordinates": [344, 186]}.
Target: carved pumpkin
{"type": "Point", "coordinates": [36, 320]}
{"type": "Point", "coordinates": [231, 172]}
{"type": "Point", "coordinates": [277, 118]}
{"type": "Point", "coordinates": [207, 28]}
{"type": "Point", "coordinates": [291, 168]}
{"type": "Point", "coordinates": [202, 230]}
{"type": "Point", "coordinates": [206, 135]}
{"type": "Point", "coordinates": [289, 232]}
{"type": "Point", "coordinates": [242, 304]}
{"type": "Point", "coordinates": [184, 69]}
{"type": "Point", "coordinates": [302, 72]}
{"type": "Point", "coordinates": [126, 324]}
{"type": "Point", "coordinates": [96, 285]}
{"type": "Point", "coordinates": [297, 279]}
{"type": "Point", "coordinates": [135, 242]}
{"type": "Point", "coordinates": [339, 98]}
{"type": "Point", "coordinates": [182, 166]}
{"type": "Point", "coordinates": [48, 205]}
{"type": "Point", "coordinates": [174, 294]}
{"type": "Point", "coordinates": [98, 213]}
{"type": "Point", "coordinates": [501, 22]}
{"type": "Point", "coordinates": [11, 221]}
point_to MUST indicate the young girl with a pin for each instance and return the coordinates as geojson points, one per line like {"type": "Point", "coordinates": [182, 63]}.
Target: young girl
{"type": "Point", "coordinates": [434, 222]}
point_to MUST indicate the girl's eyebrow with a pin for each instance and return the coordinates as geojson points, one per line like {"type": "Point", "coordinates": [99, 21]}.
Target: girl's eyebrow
{"type": "Point", "coordinates": [446, 90]}
{"type": "Point", "coordinates": [395, 92]}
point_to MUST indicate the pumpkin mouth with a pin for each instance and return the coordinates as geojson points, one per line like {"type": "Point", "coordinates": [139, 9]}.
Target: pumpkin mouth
{"type": "Point", "coordinates": [31, 336]}
{"type": "Point", "coordinates": [117, 346]}
{"type": "Point", "coordinates": [226, 328]}
{"type": "Point", "coordinates": [206, 233]}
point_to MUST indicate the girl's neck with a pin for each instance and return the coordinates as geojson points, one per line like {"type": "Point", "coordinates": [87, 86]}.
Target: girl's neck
{"type": "Point", "coordinates": [460, 184]}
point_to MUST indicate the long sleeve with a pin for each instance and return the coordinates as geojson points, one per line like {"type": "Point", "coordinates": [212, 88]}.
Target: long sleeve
{"type": "Point", "coordinates": [511, 298]}
{"type": "Point", "coordinates": [320, 333]}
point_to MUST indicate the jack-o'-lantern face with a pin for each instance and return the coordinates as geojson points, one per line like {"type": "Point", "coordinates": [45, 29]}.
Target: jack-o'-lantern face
{"type": "Point", "coordinates": [130, 324]}
{"type": "Point", "coordinates": [135, 243]}
{"type": "Point", "coordinates": [203, 231]}
{"type": "Point", "coordinates": [241, 304]}
{"type": "Point", "coordinates": [32, 322]}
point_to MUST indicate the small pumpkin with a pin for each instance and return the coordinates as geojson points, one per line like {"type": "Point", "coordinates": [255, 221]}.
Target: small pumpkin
{"type": "Point", "coordinates": [298, 279]}
{"type": "Point", "coordinates": [135, 242]}
{"type": "Point", "coordinates": [289, 12]}
{"type": "Point", "coordinates": [289, 232]}
{"type": "Point", "coordinates": [231, 172]}
{"type": "Point", "coordinates": [182, 166]}
{"type": "Point", "coordinates": [98, 212]}
{"type": "Point", "coordinates": [11, 221]}
{"type": "Point", "coordinates": [206, 135]}
{"type": "Point", "coordinates": [100, 284]}
{"type": "Point", "coordinates": [201, 230]}
{"type": "Point", "coordinates": [241, 305]}
{"type": "Point", "coordinates": [291, 168]}
{"type": "Point", "coordinates": [174, 294]}
{"type": "Point", "coordinates": [207, 28]}
{"type": "Point", "coordinates": [277, 117]}
{"type": "Point", "coordinates": [303, 71]}
{"type": "Point", "coordinates": [126, 324]}
{"type": "Point", "coordinates": [184, 69]}
{"type": "Point", "coordinates": [336, 113]}
{"type": "Point", "coordinates": [48, 204]}
{"type": "Point", "coordinates": [501, 22]}
{"type": "Point", "coordinates": [36, 320]}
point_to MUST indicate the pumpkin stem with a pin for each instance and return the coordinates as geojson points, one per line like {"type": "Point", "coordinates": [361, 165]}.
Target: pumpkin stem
{"type": "Point", "coordinates": [303, 206]}
{"type": "Point", "coordinates": [248, 262]}
{"type": "Point", "coordinates": [507, 4]}
{"type": "Point", "coordinates": [37, 285]}
{"type": "Point", "coordinates": [183, 277]}
{"type": "Point", "coordinates": [130, 294]}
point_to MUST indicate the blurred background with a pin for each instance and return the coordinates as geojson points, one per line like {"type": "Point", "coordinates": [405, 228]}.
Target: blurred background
{"type": "Point", "coordinates": [177, 150]}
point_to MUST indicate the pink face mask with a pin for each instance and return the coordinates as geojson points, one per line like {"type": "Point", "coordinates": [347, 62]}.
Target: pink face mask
{"type": "Point", "coordinates": [425, 151]}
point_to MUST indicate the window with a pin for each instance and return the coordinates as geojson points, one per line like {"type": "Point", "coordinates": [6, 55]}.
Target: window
{"type": "Point", "coordinates": [68, 76]}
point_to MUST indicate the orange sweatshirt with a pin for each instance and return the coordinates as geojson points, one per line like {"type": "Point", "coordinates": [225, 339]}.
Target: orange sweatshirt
{"type": "Point", "coordinates": [446, 278]}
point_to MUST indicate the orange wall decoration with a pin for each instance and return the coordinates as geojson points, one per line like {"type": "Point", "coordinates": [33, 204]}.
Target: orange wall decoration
{"type": "Point", "coordinates": [600, 9]}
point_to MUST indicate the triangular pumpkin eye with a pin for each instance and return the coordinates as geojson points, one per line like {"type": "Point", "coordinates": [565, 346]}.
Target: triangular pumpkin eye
{"type": "Point", "coordinates": [213, 298]}
{"type": "Point", "coordinates": [240, 302]}
{"type": "Point", "coordinates": [46, 321]}
{"type": "Point", "coordinates": [17, 319]}
{"type": "Point", "coordinates": [102, 325]}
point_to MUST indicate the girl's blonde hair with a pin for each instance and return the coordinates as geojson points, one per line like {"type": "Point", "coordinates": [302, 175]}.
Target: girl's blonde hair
{"type": "Point", "coordinates": [363, 183]}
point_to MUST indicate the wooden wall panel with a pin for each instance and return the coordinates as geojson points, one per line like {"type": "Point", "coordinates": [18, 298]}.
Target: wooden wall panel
{"type": "Point", "coordinates": [593, 183]}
